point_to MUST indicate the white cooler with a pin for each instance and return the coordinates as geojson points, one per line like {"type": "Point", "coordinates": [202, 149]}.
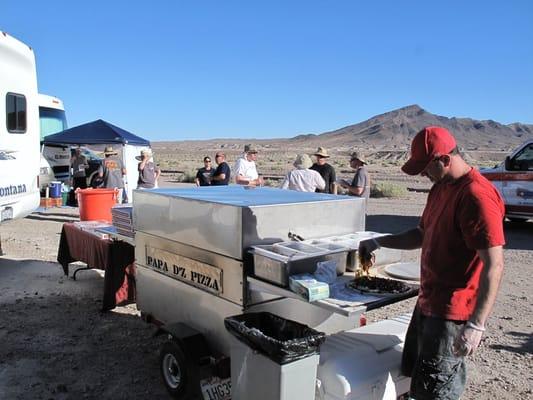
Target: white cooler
{"type": "Point", "coordinates": [364, 363]}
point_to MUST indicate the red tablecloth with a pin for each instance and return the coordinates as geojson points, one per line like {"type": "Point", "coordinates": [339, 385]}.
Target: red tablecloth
{"type": "Point", "coordinates": [116, 258]}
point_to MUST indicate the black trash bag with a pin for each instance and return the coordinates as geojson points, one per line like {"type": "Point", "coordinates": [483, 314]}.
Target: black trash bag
{"type": "Point", "coordinates": [281, 340]}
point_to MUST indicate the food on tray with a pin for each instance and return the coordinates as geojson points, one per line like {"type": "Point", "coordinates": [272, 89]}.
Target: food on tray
{"type": "Point", "coordinates": [365, 263]}
{"type": "Point", "coordinates": [377, 285]}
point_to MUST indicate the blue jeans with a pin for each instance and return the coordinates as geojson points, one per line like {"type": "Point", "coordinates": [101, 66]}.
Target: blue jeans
{"type": "Point", "coordinates": [436, 373]}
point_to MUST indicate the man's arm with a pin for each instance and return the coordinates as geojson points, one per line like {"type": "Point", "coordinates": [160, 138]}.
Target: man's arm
{"type": "Point", "coordinates": [408, 240]}
{"type": "Point", "coordinates": [332, 179]}
{"type": "Point", "coordinates": [320, 182]}
{"type": "Point", "coordinates": [355, 190]}
{"type": "Point", "coordinates": [220, 177]}
{"type": "Point", "coordinates": [242, 180]}
{"type": "Point", "coordinates": [142, 164]}
{"type": "Point", "coordinates": [489, 282]}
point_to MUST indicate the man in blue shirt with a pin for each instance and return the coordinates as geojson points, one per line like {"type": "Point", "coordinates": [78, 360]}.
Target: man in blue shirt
{"type": "Point", "coordinates": [222, 174]}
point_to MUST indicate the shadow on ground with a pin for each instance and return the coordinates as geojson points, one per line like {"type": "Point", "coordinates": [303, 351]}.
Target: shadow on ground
{"type": "Point", "coordinates": [526, 346]}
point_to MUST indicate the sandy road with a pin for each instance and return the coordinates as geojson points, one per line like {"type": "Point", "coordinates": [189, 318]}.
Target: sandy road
{"type": "Point", "coordinates": [55, 344]}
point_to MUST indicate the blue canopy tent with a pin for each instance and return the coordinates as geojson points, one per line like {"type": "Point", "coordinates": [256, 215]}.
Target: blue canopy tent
{"type": "Point", "coordinates": [96, 132]}
{"type": "Point", "coordinates": [101, 133]}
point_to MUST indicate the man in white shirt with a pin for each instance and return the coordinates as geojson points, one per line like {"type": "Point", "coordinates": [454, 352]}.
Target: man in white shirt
{"type": "Point", "coordinates": [245, 169]}
{"type": "Point", "coordinates": [302, 178]}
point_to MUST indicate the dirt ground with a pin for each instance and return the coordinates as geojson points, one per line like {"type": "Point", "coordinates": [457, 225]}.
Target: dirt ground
{"type": "Point", "coordinates": [55, 344]}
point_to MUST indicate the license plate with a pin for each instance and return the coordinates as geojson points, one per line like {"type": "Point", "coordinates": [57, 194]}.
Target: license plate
{"type": "Point", "coordinates": [7, 213]}
{"type": "Point", "coordinates": [216, 389]}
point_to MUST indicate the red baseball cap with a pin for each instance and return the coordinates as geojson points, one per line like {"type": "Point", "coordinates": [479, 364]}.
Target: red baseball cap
{"type": "Point", "coordinates": [430, 142]}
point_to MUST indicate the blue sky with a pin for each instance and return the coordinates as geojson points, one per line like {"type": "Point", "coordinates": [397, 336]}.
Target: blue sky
{"type": "Point", "coordinates": [173, 70]}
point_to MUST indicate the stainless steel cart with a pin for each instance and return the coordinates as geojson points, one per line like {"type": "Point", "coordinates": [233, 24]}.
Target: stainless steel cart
{"type": "Point", "coordinates": [194, 268]}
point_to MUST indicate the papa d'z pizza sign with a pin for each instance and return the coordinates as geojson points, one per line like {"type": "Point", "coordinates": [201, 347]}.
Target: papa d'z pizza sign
{"type": "Point", "coordinates": [187, 270]}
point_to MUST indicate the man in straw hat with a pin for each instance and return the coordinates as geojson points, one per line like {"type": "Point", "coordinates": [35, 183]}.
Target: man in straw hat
{"type": "Point", "coordinates": [303, 179]}
{"type": "Point", "coordinates": [326, 171]}
{"type": "Point", "coordinates": [112, 171]}
{"type": "Point", "coordinates": [148, 171]}
{"type": "Point", "coordinates": [461, 236]}
{"type": "Point", "coordinates": [245, 168]}
{"type": "Point", "coordinates": [360, 185]}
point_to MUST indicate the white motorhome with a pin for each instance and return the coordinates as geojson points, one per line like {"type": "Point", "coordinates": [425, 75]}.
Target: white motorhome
{"type": "Point", "coordinates": [19, 130]}
{"type": "Point", "coordinates": [55, 160]}
{"type": "Point", "coordinates": [514, 179]}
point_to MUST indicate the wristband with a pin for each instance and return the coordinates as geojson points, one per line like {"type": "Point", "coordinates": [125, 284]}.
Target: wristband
{"type": "Point", "coordinates": [475, 327]}
{"type": "Point", "coordinates": [376, 243]}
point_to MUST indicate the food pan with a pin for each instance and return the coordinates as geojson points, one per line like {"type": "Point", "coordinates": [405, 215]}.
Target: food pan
{"type": "Point", "coordinates": [272, 266]}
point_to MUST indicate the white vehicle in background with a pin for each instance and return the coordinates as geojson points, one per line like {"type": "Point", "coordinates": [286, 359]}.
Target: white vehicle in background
{"type": "Point", "coordinates": [514, 179]}
{"type": "Point", "coordinates": [55, 160]}
{"type": "Point", "coordinates": [19, 130]}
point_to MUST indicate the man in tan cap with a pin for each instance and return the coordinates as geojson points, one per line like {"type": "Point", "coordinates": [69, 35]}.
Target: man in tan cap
{"type": "Point", "coordinates": [360, 185]}
{"type": "Point", "coordinates": [303, 179]}
{"type": "Point", "coordinates": [245, 168]}
{"type": "Point", "coordinates": [326, 171]}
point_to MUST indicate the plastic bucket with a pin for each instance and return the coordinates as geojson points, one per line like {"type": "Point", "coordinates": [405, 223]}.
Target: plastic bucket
{"type": "Point", "coordinates": [96, 204]}
{"type": "Point", "coordinates": [55, 189]}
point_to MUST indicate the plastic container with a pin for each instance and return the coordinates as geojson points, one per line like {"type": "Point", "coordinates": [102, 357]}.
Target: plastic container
{"type": "Point", "coordinates": [55, 189]}
{"type": "Point", "coordinates": [96, 204]}
{"type": "Point", "coordinates": [64, 196]}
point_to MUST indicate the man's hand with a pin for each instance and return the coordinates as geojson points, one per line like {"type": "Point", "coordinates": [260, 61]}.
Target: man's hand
{"type": "Point", "coordinates": [343, 183]}
{"type": "Point", "coordinates": [467, 342]}
{"type": "Point", "coordinates": [366, 247]}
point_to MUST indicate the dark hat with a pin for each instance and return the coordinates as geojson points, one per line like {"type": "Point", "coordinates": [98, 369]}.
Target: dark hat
{"type": "Point", "coordinates": [430, 142]}
{"type": "Point", "coordinates": [250, 148]}
{"type": "Point", "coordinates": [357, 155]}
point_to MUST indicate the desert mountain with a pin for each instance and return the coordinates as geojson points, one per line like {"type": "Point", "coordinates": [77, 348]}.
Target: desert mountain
{"type": "Point", "coordinates": [396, 129]}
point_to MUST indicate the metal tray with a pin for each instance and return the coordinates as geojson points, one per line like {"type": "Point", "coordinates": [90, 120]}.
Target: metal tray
{"type": "Point", "coordinates": [274, 267]}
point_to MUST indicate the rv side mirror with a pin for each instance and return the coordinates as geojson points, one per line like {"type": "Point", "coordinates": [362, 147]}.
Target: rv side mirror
{"type": "Point", "coordinates": [507, 163]}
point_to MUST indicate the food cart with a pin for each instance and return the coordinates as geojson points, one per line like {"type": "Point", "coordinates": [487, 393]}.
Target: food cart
{"type": "Point", "coordinates": [195, 267]}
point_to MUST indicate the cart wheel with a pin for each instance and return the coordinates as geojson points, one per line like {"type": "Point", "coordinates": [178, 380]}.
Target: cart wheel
{"type": "Point", "coordinates": [174, 370]}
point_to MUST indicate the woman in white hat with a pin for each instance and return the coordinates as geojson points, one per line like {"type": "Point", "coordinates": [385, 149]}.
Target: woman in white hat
{"type": "Point", "coordinates": [302, 178]}
{"type": "Point", "coordinates": [148, 171]}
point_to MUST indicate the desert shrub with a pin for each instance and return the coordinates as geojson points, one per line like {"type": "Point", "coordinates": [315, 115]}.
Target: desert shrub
{"type": "Point", "coordinates": [387, 189]}
{"type": "Point", "coordinates": [188, 176]}
{"type": "Point", "coordinates": [271, 182]}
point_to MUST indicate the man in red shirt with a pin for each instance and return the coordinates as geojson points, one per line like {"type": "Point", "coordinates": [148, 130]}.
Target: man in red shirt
{"type": "Point", "coordinates": [461, 236]}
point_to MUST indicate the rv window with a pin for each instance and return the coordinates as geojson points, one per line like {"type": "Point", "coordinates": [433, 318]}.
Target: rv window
{"type": "Point", "coordinates": [16, 113]}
